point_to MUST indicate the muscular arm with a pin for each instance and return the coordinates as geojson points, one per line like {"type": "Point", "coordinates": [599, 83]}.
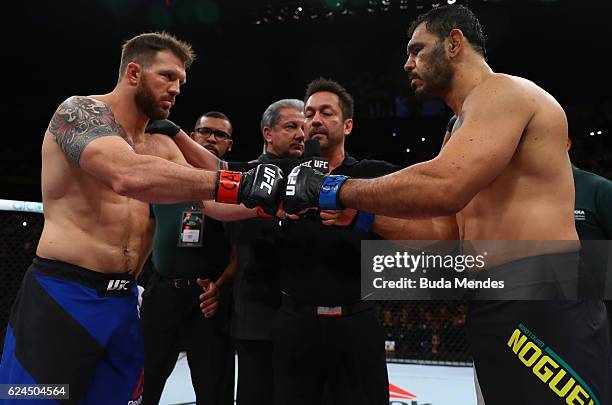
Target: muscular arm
{"type": "Point", "coordinates": [197, 155]}
{"type": "Point", "coordinates": [494, 118]}
{"type": "Point", "coordinates": [218, 211]}
{"type": "Point", "coordinates": [86, 131]}
{"type": "Point", "coordinates": [439, 228]}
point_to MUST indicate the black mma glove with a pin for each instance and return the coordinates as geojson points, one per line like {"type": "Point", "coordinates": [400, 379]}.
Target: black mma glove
{"type": "Point", "coordinates": [165, 127]}
{"type": "Point", "coordinates": [262, 186]}
{"type": "Point", "coordinates": [308, 188]}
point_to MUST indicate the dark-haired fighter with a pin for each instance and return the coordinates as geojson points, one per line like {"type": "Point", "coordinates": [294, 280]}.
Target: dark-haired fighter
{"type": "Point", "coordinates": [505, 174]}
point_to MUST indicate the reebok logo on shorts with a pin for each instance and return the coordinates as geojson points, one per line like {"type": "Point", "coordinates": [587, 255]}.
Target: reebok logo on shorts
{"type": "Point", "coordinates": [560, 378]}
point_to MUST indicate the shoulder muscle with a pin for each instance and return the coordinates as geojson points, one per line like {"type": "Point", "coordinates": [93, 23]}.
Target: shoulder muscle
{"type": "Point", "coordinates": [80, 120]}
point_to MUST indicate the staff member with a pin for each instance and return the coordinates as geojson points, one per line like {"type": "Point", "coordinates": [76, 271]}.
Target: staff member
{"type": "Point", "coordinates": [256, 296]}
{"type": "Point", "coordinates": [593, 217]}
{"type": "Point", "coordinates": [325, 338]}
{"type": "Point", "coordinates": [190, 253]}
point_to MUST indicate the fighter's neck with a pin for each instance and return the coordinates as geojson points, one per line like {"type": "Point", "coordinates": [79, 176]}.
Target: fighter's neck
{"type": "Point", "coordinates": [465, 79]}
{"type": "Point", "coordinates": [131, 119]}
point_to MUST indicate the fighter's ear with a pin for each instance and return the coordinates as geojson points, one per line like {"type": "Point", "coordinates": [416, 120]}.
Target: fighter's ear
{"type": "Point", "coordinates": [132, 73]}
{"type": "Point", "coordinates": [456, 42]}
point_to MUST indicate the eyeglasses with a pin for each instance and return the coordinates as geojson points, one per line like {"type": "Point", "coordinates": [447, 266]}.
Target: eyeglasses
{"type": "Point", "coordinates": [219, 135]}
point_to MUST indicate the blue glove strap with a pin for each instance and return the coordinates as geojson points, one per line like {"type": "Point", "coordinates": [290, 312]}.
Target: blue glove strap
{"type": "Point", "coordinates": [328, 198]}
{"type": "Point", "coordinates": [364, 221]}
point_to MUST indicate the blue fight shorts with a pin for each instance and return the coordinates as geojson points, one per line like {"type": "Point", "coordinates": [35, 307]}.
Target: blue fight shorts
{"type": "Point", "coordinates": [74, 326]}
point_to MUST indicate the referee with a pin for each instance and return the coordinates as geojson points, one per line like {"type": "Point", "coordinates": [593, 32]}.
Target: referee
{"type": "Point", "coordinates": [328, 343]}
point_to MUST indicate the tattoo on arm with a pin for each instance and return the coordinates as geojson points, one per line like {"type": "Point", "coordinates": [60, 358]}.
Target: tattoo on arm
{"type": "Point", "coordinates": [80, 120]}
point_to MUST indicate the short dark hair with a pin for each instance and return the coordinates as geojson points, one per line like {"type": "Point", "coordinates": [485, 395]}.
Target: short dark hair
{"type": "Point", "coordinates": [143, 48]}
{"type": "Point", "coordinates": [441, 20]}
{"type": "Point", "coordinates": [347, 105]}
{"type": "Point", "coordinates": [214, 114]}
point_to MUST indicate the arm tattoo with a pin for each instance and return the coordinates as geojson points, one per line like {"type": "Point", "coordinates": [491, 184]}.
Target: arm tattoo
{"type": "Point", "coordinates": [80, 120]}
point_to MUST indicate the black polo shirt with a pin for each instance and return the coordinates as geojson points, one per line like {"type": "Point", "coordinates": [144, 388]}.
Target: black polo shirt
{"type": "Point", "coordinates": [256, 281]}
{"type": "Point", "coordinates": [321, 264]}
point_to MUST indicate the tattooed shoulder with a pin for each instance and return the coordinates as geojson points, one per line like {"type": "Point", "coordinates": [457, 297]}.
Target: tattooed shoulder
{"type": "Point", "coordinates": [80, 120]}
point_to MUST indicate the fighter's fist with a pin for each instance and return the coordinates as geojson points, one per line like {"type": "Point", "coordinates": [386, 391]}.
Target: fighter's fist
{"type": "Point", "coordinates": [165, 127]}
{"type": "Point", "coordinates": [261, 186]}
{"type": "Point", "coordinates": [307, 188]}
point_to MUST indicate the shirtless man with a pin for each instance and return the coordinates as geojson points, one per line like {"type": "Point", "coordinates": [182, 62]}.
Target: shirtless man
{"type": "Point", "coordinates": [75, 319]}
{"type": "Point", "coordinates": [504, 174]}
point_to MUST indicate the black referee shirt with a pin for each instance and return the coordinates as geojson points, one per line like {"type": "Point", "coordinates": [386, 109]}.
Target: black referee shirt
{"type": "Point", "coordinates": [256, 281]}
{"type": "Point", "coordinates": [321, 264]}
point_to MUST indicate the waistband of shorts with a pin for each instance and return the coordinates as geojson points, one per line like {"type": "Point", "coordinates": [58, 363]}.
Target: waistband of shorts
{"type": "Point", "coordinates": [103, 282]}
{"type": "Point", "coordinates": [288, 303]}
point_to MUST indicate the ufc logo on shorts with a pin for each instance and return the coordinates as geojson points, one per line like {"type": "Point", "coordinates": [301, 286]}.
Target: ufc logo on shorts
{"type": "Point", "coordinates": [116, 285]}
{"type": "Point", "coordinates": [269, 177]}
{"type": "Point", "coordinates": [291, 180]}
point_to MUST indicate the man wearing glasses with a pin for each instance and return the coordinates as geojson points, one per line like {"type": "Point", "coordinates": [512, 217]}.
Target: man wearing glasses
{"type": "Point", "coordinates": [191, 254]}
{"type": "Point", "coordinates": [213, 130]}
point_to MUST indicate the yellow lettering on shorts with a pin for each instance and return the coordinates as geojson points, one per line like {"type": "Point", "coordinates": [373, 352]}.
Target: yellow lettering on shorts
{"type": "Point", "coordinates": [516, 340]}
{"type": "Point", "coordinates": [536, 354]}
{"type": "Point", "coordinates": [575, 396]}
{"type": "Point", "coordinates": [544, 373]}
{"type": "Point", "coordinates": [555, 381]}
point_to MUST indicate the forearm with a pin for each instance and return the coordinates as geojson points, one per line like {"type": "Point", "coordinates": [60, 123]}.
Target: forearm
{"type": "Point", "coordinates": [228, 212]}
{"type": "Point", "coordinates": [414, 192]}
{"type": "Point", "coordinates": [156, 180]}
{"type": "Point", "coordinates": [196, 154]}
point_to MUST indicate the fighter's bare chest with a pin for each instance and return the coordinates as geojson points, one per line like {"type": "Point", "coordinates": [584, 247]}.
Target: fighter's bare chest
{"type": "Point", "coordinates": [149, 146]}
